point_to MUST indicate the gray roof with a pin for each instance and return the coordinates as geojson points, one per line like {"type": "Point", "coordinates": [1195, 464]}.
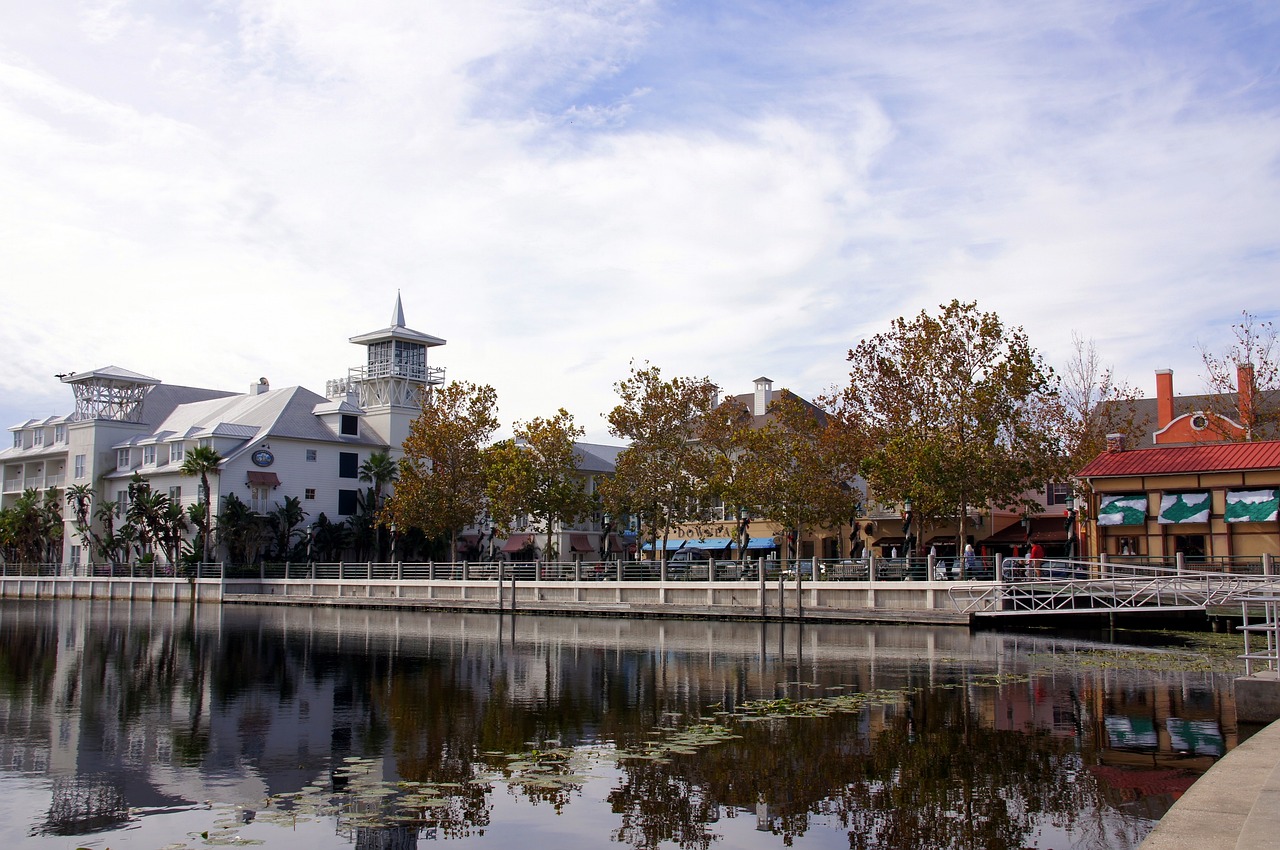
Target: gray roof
{"type": "Point", "coordinates": [596, 457]}
{"type": "Point", "coordinates": [284, 413]}
{"type": "Point", "coordinates": [113, 373]}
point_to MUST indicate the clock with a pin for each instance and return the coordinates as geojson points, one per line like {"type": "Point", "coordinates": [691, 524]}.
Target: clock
{"type": "Point", "coordinates": [262, 457]}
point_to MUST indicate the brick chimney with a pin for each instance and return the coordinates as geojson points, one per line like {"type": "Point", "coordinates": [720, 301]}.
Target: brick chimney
{"type": "Point", "coordinates": [1115, 443]}
{"type": "Point", "coordinates": [1164, 398]}
{"type": "Point", "coordinates": [1244, 394]}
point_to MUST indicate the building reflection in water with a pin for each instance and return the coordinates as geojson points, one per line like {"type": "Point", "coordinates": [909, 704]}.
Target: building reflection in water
{"type": "Point", "coordinates": [410, 721]}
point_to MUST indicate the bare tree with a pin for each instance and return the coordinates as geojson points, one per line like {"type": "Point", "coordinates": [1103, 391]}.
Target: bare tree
{"type": "Point", "coordinates": [1253, 359]}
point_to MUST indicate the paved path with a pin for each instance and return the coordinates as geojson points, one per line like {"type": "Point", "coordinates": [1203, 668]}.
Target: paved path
{"type": "Point", "coordinates": [1235, 806]}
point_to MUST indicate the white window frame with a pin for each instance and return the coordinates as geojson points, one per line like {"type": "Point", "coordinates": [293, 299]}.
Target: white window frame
{"type": "Point", "coordinates": [37, 437]}
{"type": "Point", "coordinates": [79, 466]}
{"type": "Point", "coordinates": [123, 458]}
{"type": "Point", "coordinates": [175, 494]}
{"type": "Point", "coordinates": [149, 455]}
{"type": "Point", "coordinates": [176, 453]}
{"type": "Point", "coordinates": [311, 455]}
{"type": "Point", "coordinates": [59, 433]}
{"type": "Point", "coordinates": [17, 439]}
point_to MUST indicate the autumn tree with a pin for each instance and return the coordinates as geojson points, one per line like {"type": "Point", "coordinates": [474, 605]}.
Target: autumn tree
{"type": "Point", "coordinates": [798, 468]}
{"type": "Point", "coordinates": [722, 462]}
{"type": "Point", "coordinates": [442, 474]}
{"type": "Point", "coordinates": [953, 408]}
{"type": "Point", "coordinates": [1255, 357]}
{"type": "Point", "coordinates": [656, 477]}
{"type": "Point", "coordinates": [536, 474]}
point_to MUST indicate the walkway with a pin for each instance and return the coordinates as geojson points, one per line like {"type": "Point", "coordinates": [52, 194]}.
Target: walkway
{"type": "Point", "coordinates": [1235, 806]}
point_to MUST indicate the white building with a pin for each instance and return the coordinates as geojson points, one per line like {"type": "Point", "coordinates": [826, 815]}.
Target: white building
{"type": "Point", "coordinates": [274, 442]}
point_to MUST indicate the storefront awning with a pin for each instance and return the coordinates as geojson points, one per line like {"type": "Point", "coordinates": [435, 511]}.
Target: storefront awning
{"type": "Point", "coordinates": [264, 479]}
{"type": "Point", "coordinates": [580, 543]}
{"type": "Point", "coordinates": [516, 542]}
{"type": "Point", "coordinates": [1252, 505]}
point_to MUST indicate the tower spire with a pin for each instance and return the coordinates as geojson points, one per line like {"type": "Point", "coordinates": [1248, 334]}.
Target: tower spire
{"type": "Point", "coordinates": [397, 315]}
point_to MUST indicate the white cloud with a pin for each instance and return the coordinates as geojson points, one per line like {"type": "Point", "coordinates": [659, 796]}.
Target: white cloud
{"type": "Point", "coordinates": [212, 193]}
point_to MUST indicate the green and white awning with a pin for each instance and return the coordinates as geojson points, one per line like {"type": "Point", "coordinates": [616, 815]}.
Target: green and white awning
{"type": "Point", "coordinates": [1178, 508]}
{"type": "Point", "coordinates": [1252, 505]}
{"type": "Point", "coordinates": [1122, 510]}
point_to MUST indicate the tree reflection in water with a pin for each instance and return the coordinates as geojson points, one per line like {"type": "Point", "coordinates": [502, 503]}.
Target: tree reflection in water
{"type": "Point", "coordinates": [399, 726]}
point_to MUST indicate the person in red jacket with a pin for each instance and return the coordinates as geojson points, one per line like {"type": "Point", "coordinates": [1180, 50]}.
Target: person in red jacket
{"type": "Point", "coordinates": [1034, 557]}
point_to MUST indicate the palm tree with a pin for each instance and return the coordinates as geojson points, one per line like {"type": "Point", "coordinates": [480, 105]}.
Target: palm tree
{"type": "Point", "coordinates": [379, 471]}
{"type": "Point", "coordinates": [284, 522]}
{"type": "Point", "coordinates": [199, 463]}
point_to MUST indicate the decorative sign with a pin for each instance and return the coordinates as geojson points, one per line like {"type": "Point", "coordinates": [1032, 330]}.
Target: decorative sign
{"type": "Point", "coordinates": [262, 457]}
{"type": "Point", "coordinates": [1177, 508]}
{"type": "Point", "coordinates": [1122, 510]}
{"type": "Point", "coordinates": [1252, 505]}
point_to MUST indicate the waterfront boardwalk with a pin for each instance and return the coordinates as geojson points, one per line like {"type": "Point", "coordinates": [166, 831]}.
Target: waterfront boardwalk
{"type": "Point", "coordinates": [872, 591]}
{"type": "Point", "coordinates": [1234, 806]}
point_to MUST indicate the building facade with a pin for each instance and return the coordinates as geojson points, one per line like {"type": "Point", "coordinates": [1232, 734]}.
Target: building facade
{"type": "Point", "coordinates": [273, 443]}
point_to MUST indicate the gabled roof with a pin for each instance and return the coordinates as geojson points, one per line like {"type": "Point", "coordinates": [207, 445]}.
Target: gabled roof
{"type": "Point", "coordinates": [285, 413]}
{"type": "Point", "coordinates": [1168, 460]}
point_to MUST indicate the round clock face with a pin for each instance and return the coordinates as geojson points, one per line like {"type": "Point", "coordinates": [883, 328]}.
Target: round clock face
{"type": "Point", "coordinates": [262, 457]}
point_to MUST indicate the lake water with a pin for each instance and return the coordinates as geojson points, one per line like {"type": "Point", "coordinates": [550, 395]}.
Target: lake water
{"type": "Point", "coordinates": [163, 726]}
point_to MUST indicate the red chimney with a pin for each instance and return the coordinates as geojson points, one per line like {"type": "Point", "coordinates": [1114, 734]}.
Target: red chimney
{"type": "Point", "coordinates": [1244, 394]}
{"type": "Point", "coordinates": [1164, 397]}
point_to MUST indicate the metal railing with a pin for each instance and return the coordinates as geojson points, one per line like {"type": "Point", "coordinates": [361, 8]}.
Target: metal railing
{"type": "Point", "coordinates": [1071, 586]}
{"type": "Point", "coordinates": [1264, 602]}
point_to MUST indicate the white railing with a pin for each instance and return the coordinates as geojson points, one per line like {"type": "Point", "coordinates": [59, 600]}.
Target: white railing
{"type": "Point", "coordinates": [1083, 587]}
{"type": "Point", "coordinates": [1265, 630]}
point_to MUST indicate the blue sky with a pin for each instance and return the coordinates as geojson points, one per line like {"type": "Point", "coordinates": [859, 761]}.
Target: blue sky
{"type": "Point", "coordinates": [209, 192]}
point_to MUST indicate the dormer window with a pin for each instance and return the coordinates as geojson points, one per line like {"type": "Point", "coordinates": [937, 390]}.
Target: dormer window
{"type": "Point", "coordinates": [59, 433]}
{"type": "Point", "coordinates": [37, 437]}
{"type": "Point", "coordinates": [350, 425]}
{"type": "Point", "coordinates": [17, 439]}
{"type": "Point", "coordinates": [175, 453]}
{"type": "Point", "coordinates": [122, 459]}
{"type": "Point", "coordinates": [149, 455]}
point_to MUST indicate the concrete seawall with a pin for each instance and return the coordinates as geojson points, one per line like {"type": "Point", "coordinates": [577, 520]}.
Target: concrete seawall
{"type": "Point", "coordinates": [848, 601]}
{"type": "Point", "coordinates": [1235, 806]}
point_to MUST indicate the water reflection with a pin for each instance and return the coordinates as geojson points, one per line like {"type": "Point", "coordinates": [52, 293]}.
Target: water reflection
{"type": "Point", "coordinates": [392, 728]}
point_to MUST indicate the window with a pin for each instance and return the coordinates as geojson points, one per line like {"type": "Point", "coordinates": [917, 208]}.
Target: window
{"type": "Point", "coordinates": [17, 439]}
{"type": "Point", "coordinates": [1057, 494]}
{"type": "Point", "coordinates": [311, 455]}
{"type": "Point", "coordinates": [175, 453]}
{"type": "Point", "coordinates": [346, 502]}
{"type": "Point", "coordinates": [79, 466]}
{"type": "Point", "coordinates": [348, 465]}
{"type": "Point", "coordinates": [206, 443]}
{"type": "Point", "coordinates": [309, 493]}
{"type": "Point", "coordinates": [175, 495]}
{"type": "Point", "coordinates": [149, 455]}
{"type": "Point", "coordinates": [59, 433]}
{"type": "Point", "coordinates": [122, 459]}
{"type": "Point", "coordinates": [350, 425]}
{"type": "Point", "coordinates": [122, 502]}
{"type": "Point", "coordinates": [37, 437]}
{"type": "Point", "coordinates": [73, 558]}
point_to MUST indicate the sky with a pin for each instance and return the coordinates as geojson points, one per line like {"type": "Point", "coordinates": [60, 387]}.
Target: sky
{"type": "Point", "coordinates": [213, 191]}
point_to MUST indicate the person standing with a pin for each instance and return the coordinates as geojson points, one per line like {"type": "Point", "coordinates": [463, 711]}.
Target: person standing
{"type": "Point", "coordinates": [1035, 556]}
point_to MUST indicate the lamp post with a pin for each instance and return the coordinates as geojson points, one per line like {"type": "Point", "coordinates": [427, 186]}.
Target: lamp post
{"type": "Point", "coordinates": [393, 541]}
{"type": "Point", "coordinates": [1072, 533]}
